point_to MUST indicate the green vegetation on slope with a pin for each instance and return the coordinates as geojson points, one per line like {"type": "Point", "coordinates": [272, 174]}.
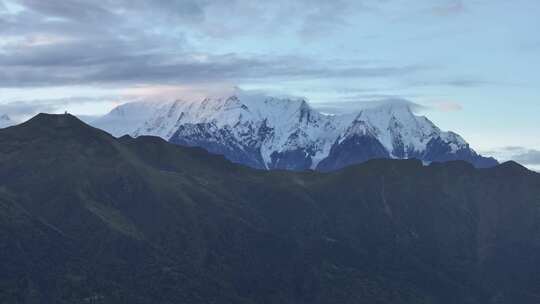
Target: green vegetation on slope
{"type": "Point", "coordinates": [87, 218]}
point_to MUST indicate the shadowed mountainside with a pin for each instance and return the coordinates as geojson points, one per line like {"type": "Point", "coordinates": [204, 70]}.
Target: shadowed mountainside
{"type": "Point", "coordinates": [88, 218]}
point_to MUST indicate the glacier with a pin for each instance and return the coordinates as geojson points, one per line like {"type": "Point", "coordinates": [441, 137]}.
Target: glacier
{"type": "Point", "coordinates": [287, 133]}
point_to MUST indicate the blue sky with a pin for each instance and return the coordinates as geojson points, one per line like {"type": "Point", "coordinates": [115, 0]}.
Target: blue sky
{"type": "Point", "coordinates": [474, 65]}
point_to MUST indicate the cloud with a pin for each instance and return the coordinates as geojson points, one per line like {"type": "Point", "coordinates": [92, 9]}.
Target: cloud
{"type": "Point", "coordinates": [71, 63]}
{"type": "Point", "coordinates": [358, 102]}
{"type": "Point", "coordinates": [327, 16]}
{"type": "Point", "coordinates": [173, 92]}
{"type": "Point", "coordinates": [530, 157]}
{"type": "Point", "coordinates": [524, 155]}
{"type": "Point", "coordinates": [213, 18]}
{"type": "Point", "coordinates": [136, 42]}
{"type": "Point", "coordinates": [158, 44]}
{"type": "Point", "coordinates": [449, 8]}
{"type": "Point", "coordinates": [22, 109]}
{"type": "Point", "coordinates": [351, 106]}
{"type": "Point", "coordinates": [447, 106]}
{"type": "Point", "coordinates": [458, 83]}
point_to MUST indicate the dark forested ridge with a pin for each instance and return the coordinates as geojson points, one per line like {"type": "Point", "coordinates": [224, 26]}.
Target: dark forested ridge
{"type": "Point", "coordinates": [87, 218]}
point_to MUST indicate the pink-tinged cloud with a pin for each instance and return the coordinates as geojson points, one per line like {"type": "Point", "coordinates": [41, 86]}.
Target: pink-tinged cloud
{"type": "Point", "coordinates": [173, 92]}
{"type": "Point", "coordinates": [448, 106]}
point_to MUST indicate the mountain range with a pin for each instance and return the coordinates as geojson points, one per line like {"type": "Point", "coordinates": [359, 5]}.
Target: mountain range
{"type": "Point", "coordinates": [286, 133]}
{"type": "Point", "coordinates": [89, 218]}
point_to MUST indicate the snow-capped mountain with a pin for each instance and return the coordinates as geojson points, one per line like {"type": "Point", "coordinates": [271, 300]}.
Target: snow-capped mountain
{"type": "Point", "coordinates": [5, 121]}
{"type": "Point", "coordinates": [285, 133]}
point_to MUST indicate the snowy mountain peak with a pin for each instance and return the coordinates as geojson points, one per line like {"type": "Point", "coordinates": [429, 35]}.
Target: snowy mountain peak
{"type": "Point", "coordinates": [5, 121]}
{"type": "Point", "coordinates": [287, 133]}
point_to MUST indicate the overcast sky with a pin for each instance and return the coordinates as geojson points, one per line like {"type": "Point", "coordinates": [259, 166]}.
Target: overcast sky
{"type": "Point", "coordinates": [474, 63]}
